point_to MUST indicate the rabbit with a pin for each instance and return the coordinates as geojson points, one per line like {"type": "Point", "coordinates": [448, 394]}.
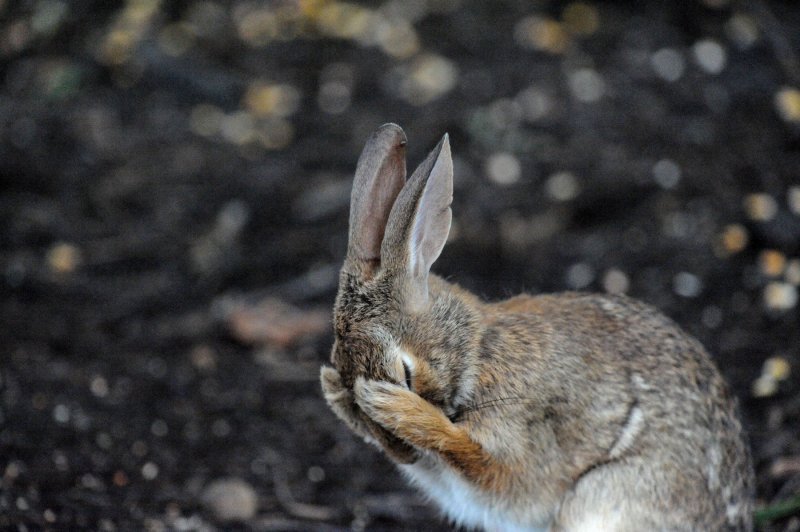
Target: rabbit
{"type": "Point", "coordinates": [556, 412]}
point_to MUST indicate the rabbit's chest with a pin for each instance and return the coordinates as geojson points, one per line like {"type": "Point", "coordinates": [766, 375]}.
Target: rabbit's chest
{"type": "Point", "coordinates": [461, 501]}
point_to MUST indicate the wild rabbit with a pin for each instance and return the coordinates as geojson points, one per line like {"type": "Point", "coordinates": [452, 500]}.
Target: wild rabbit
{"type": "Point", "coordinates": [557, 412]}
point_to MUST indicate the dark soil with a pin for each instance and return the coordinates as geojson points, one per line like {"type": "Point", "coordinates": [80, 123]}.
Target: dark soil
{"type": "Point", "coordinates": [175, 184]}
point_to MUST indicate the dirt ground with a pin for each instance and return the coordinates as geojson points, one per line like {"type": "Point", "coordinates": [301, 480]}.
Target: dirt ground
{"type": "Point", "coordinates": [175, 183]}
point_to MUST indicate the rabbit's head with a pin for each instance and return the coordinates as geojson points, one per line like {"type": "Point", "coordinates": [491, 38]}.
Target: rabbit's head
{"type": "Point", "coordinates": [393, 321]}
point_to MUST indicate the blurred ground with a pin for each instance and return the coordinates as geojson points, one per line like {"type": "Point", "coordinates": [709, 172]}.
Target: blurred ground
{"type": "Point", "coordinates": [175, 180]}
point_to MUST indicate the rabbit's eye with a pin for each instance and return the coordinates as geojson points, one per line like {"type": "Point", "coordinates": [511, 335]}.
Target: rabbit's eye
{"type": "Point", "coordinates": [407, 373]}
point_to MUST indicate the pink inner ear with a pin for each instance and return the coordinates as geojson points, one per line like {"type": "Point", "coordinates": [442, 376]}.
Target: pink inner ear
{"type": "Point", "coordinates": [380, 175]}
{"type": "Point", "coordinates": [433, 216]}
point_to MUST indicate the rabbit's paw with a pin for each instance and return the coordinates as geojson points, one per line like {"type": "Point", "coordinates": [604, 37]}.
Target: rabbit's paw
{"type": "Point", "coordinates": [418, 422]}
{"type": "Point", "coordinates": [404, 413]}
{"type": "Point", "coordinates": [341, 402]}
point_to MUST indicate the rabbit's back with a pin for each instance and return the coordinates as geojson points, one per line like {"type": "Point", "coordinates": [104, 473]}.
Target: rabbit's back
{"type": "Point", "coordinates": [641, 402]}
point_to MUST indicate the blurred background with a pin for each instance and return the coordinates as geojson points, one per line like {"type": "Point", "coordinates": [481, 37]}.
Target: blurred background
{"type": "Point", "coordinates": [175, 185]}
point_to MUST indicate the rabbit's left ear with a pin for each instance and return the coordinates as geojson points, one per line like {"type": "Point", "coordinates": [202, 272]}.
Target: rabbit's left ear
{"type": "Point", "coordinates": [380, 175]}
{"type": "Point", "coordinates": [420, 222]}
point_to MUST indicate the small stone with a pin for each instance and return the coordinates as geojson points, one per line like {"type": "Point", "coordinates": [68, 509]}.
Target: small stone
{"type": "Point", "coordinates": [710, 56]}
{"type": "Point", "coordinates": [49, 516]}
{"type": "Point", "coordinates": [63, 257]}
{"type": "Point", "coordinates": [99, 386]}
{"type": "Point", "coordinates": [334, 97]}
{"type": "Point", "coordinates": [780, 296]}
{"type": "Point", "coordinates": [203, 357]}
{"type": "Point", "coordinates": [205, 120]}
{"type": "Point", "coordinates": [149, 471]}
{"type": "Point", "coordinates": [785, 466]}
{"type": "Point", "coordinates": [772, 262]}
{"type": "Point", "coordinates": [615, 282]}
{"type": "Point", "coordinates": [238, 127]}
{"type": "Point", "coordinates": [793, 199]}
{"type": "Point", "coordinates": [398, 39]}
{"type": "Point", "coordinates": [266, 99]}
{"type": "Point", "coordinates": [230, 499]}
{"type": "Point", "coordinates": [668, 64]}
{"type": "Point", "coordinates": [562, 186]}
{"type": "Point", "coordinates": [792, 272]}
{"type": "Point", "coordinates": [666, 173]}
{"type": "Point", "coordinates": [764, 386]}
{"type": "Point", "coordinates": [427, 78]}
{"type": "Point", "coordinates": [579, 276]}
{"type": "Point", "coordinates": [503, 168]}
{"type": "Point", "coordinates": [542, 34]}
{"type": "Point", "coordinates": [274, 322]}
{"type": "Point", "coordinates": [586, 85]}
{"type": "Point", "coordinates": [742, 30]}
{"type": "Point", "coordinates": [734, 239]}
{"type": "Point", "coordinates": [777, 367]}
{"type": "Point", "coordinates": [686, 284]}
{"type": "Point", "coordinates": [315, 474]}
{"type": "Point", "coordinates": [787, 103]}
{"type": "Point", "coordinates": [61, 414]}
{"type": "Point", "coordinates": [581, 18]}
{"type": "Point", "coordinates": [760, 207]}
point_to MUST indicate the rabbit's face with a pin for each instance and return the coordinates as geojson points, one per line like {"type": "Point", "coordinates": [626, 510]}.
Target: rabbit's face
{"type": "Point", "coordinates": [377, 338]}
{"type": "Point", "coordinates": [362, 346]}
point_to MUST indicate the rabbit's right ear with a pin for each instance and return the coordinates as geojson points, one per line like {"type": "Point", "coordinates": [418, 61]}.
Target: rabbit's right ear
{"type": "Point", "coordinates": [380, 175]}
{"type": "Point", "coordinates": [419, 224]}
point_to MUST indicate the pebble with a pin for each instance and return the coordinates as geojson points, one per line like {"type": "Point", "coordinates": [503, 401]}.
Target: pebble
{"type": "Point", "coordinates": [668, 64]}
{"type": "Point", "coordinates": [562, 186]}
{"type": "Point", "coordinates": [581, 18]}
{"type": "Point", "coordinates": [398, 39]}
{"type": "Point", "coordinates": [734, 239]}
{"type": "Point", "coordinates": [205, 120]}
{"type": "Point", "coordinates": [586, 85]}
{"type": "Point", "coordinates": [149, 471]}
{"type": "Point", "coordinates": [579, 276]}
{"type": "Point", "coordinates": [666, 173]}
{"type": "Point", "coordinates": [793, 199]}
{"type": "Point", "coordinates": [265, 99]}
{"type": "Point", "coordinates": [787, 103]}
{"type": "Point", "coordinates": [772, 262]}
{"type": "Point", "coordinates": [792, 272]}
{"type": "Point", "coordinates": [777, 367]}
{"type": "Point", "coordinates": [780, 296]}
{"type": "Point", "coordinates": [764, 386]}
{"type": "Point", "coordinates": [687, 284]}
{"type": "Point", "coordinates": [427, 78]}
{"type": "Point", "coordinates": [742, 30]}
{"type": "Point", "coordinates": [63, 257]}
{"type": "Point", "coordinates": [503, 168]}
{"type": "Point", "coordinates": [760, 207]}
{"type": "Point", "coordinates": [542, 34]}
{"type": "Point", "coordinates": [230, 499]}
{"type": "Point", "coordinates": [615, 281]}
{"type": "Point", "coordinates": [710, 56]}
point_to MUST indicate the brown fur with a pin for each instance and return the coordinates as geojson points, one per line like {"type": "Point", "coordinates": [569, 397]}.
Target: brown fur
{"type": "Point", "coordinates": [557, 409]}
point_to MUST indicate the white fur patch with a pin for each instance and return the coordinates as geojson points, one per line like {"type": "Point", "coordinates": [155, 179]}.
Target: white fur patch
{"type": "Point", "coordinates": [629, 432]}
{"type": "Point", "coordinates": [598, 522]}
{"type": "Point", "coordinates": [459, 500]}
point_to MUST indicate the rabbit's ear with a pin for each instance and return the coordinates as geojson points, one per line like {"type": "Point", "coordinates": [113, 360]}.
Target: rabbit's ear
{"type": "Point", "coordinates": [380, 175]}
{"type": "Point", "coordinates": [420, 222]}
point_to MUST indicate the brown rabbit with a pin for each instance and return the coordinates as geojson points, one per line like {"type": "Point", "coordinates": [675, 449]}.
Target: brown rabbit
{"type": "Point", "coordinates": [557, 412]}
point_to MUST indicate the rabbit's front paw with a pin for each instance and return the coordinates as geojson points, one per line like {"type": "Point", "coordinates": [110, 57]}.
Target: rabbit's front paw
{"type": "Point", "coordinates": [411, 418]}
{"type": "Point", "coordinates": [341, 402]}
{"type": "Point", "coordinates": [403, 413]}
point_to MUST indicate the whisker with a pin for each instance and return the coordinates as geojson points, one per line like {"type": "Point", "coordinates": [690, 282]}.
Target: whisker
{"type": "Point", "coordinates": [498, 402]}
